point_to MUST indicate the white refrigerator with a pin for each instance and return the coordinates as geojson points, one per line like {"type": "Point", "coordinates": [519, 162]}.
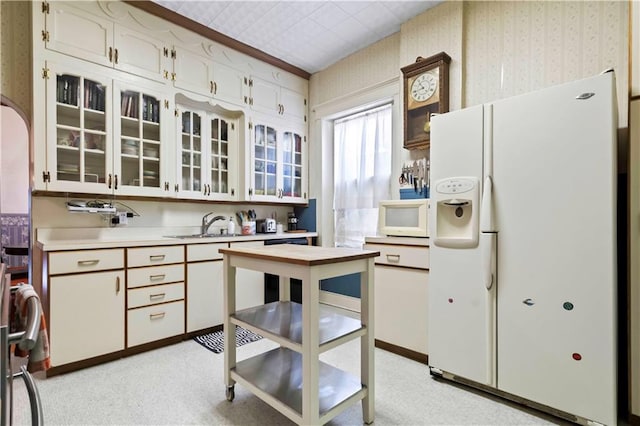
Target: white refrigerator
{"type": "Point", "coordinates": [522, 296]}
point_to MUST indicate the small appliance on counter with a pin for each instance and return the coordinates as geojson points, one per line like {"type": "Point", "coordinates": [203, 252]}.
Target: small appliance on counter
{"type": "Point", "coordinates": [266, 226]}
{"type": "Point", "coordinates": [404, 218]}
{"type": "Point", "coordinates": [292, 222]}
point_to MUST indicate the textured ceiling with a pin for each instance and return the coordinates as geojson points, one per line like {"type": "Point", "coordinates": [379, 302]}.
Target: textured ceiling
{"type": "Point", "coordinates": [310, 35]}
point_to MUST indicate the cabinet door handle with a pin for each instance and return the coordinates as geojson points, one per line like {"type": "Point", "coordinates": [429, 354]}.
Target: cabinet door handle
{"type": "Point", "coordinates": [109, 181]}
{"type": "Point", "coordinates": [393, 257]}
{"type": "Point", "coordinates": [154, 257]}
{"type": "Point", "coordinates": [156, 316]}
{"type": "Point", "coordinates": [115, 182]}
{"type": "Point", "coordinates": [116, 56]}
{"type": "Point", "coordinates": [117, 285]}
{"type": "Point", "coordinates": [156, 277]}
{"type": "Point", "coordinates": [110, 54]}
{"type": "Point", "coordinates": [157, 296]}
{"type": "Point", "coordinates": [211, 86]}
{"type": "Point", "coordinates": [88, 262]}
{"type": "Point", "coordinates": [215, 87]}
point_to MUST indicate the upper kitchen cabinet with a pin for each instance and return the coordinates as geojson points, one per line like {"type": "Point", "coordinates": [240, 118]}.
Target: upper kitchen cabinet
{"type": "Point", "coordinates": [204, 69]}
{"type": "Point", "coordinates": [102, 135]}
{"type": "Point", "coordinates": [134, 105]}
{"type": "Point", "coordinates": [276, 169]}
{"type": "Point", "coordinates": [88, 31]}
{"type": "Point", "coordinates": [284, 99]}
{"type": "Point", "coordinates": [207, 151]}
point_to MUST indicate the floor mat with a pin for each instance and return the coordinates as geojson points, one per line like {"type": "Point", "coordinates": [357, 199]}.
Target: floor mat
{"type": "Point", "coordinates": [215, 341]}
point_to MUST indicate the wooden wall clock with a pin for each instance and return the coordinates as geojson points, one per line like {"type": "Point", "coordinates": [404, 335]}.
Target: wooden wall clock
{"type": "Point", "coordinates": [426, 91]}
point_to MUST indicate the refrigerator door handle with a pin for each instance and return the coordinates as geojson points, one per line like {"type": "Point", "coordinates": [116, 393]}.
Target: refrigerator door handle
{"type": "Point", "coordinates": [488, 233]}
{"type": "Point", "coordinates": [487, 222]}
{"type": "Point", "coordinates": [488, 250]}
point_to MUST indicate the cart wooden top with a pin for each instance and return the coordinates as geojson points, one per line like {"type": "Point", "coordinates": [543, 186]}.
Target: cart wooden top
{"type": "Point", "coordinates": [301, 255]}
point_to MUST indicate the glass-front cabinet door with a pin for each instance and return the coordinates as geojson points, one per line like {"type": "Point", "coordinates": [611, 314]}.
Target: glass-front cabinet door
{"type": "Point", "coordinates": [292, 165]}
{"type": "Point", "coordinates": [278, 165]}
{"type": "Point", "coordinates": [219, 148]}
{"type": "Point", "coordinates": [190, 155]}
{"type": "Point", "coordinates": [139, 167]}
{"type": "Point", "coordinates": [78, 131]}
{"type": "Point", "coordinates": [206, 154]}
{"type": "Point", "coordinates": [265, 162]}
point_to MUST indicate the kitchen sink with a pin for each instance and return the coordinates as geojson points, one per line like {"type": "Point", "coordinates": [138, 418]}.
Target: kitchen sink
{"type": "Point", "coordinates": [184, 236]}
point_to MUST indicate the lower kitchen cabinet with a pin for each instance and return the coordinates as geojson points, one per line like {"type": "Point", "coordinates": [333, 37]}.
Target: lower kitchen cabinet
{"type": "Point", "coordinates": [402, 279]}
{"type": "Point", "coordinates": [105, 303]}
{"type": "Point", "coordinates": [204, 286]}
{"type": "Point", "coordinates": [400, 301]}
{"type": "Point", "coordinates": [86, 315]}
{"type": "Point", "coordinates": [249, 284]}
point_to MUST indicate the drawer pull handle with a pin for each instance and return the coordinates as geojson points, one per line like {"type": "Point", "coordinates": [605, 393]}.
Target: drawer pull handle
{"type": "Point", "coordinates": [156, 257]}
{"type": "Point", "coordinates": [117, 285]}
{"type": "Point", "coordinates": [156, 316]}
{"type": "Point", "coordinates": [88, 262]}
{"type": "Point", "coordinates": [156, 277]}
{"type": "Point", "coordinates": [393, 257]}
{"type": "Point", "coordinates": [157, 296]}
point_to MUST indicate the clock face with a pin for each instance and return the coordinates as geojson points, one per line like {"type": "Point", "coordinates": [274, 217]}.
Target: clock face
{"type": "Point", "coordinates": [424, 86]}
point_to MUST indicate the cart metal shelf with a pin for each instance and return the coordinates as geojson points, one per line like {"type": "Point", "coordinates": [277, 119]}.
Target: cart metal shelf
{"type": "Point", "coordinates": [276, 377]}
{"type": "Point", "coordinates": [282, 323]}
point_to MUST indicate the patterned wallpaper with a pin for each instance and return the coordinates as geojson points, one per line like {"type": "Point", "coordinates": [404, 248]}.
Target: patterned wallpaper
{"type": "Point", "coordinates": [516, 47]}
{"type": "Point", "coordinates": [15, 53]}
{"type": "Point", "coordinates": [360, 70]}
{"type": "Point", "coordinates": [14, 232]}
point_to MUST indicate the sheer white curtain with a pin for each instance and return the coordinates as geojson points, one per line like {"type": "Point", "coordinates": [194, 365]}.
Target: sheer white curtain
{"type": "Point", "coordinates": [362, 173]}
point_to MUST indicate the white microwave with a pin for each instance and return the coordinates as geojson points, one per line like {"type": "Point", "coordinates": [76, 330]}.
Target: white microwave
{"type": "Point", "coordinates": [404, 218]}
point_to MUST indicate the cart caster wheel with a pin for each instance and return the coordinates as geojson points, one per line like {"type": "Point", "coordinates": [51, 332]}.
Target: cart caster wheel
{"type": "Point", "coordinates": [230, 393]}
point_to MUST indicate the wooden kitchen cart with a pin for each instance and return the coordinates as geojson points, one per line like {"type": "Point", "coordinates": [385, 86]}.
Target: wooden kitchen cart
{"type": "Point", "coordinates": [291, 378]}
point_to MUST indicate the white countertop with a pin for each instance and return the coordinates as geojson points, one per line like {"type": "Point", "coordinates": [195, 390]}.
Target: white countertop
{"type": "Point", "coordinates": [53, 239]}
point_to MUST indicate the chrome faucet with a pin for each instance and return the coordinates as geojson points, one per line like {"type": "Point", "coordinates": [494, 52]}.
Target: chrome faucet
{"type": "Point", "coordinates": [206, 223]}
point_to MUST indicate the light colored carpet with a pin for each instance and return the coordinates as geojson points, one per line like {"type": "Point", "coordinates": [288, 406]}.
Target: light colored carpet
{"type": "Point", "coordinates": [183, 384]}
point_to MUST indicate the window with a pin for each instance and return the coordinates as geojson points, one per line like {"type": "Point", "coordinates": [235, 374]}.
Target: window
{"type": "Point", "coordinates": [362, 173]}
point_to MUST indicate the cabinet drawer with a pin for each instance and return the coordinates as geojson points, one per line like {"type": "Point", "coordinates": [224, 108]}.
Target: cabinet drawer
{"type": "Point", "coordinates": [155, 275]}
{"type": "Point", "coordinates": [154, 323]}
{"type": "Point", "coordinates": [66, 262]}
{"type": "Point", "coordinates": [197, 252]}
{"type": "Point", "coordinates": [153, 295]}
{"type": "Point", "coordinates": [398, 255]}
{"type": "Point", "coordinates": [149, 256]}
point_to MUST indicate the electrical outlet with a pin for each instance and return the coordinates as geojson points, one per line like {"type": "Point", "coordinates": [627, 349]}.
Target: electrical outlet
{"type": "Point", "coordinates": [123, 218]}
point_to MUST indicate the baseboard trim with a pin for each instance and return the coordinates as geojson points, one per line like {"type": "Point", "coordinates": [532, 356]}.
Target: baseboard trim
{"type": "Point", "coordinates": [78, 365]}
{"type": "Point", "coordinates": [340, 300]}
{"type": "Point", "coordinates": [404, 352]}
